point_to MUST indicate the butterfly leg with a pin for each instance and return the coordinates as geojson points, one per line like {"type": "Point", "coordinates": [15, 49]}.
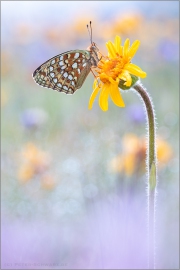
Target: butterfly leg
{"type": "Point", "coordinates": [95, 77]}
{"type": "Point", "coordinates": [102, 56]}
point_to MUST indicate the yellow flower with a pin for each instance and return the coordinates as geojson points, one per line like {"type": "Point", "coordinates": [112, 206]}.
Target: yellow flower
{"type": "Point", "coordinates": [112, 69]}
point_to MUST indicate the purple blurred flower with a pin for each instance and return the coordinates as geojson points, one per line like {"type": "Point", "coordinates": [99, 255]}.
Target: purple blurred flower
{"type": "Point", "coordinates": [112, 235]}
{"type": "Point", "coordinates": [169, 50]}
{"type": "Point", "coordinates": [33, 118]}
{"type": "Point", "coordinates": [136, 114]}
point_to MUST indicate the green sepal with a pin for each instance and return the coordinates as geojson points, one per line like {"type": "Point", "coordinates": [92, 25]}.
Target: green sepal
{"type": "Point", "coordinates": [152, 177]}
{"type": "Point", "coordinates": [124, 87]}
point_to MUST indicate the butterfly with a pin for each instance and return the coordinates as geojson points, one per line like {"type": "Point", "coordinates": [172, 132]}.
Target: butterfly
{"type": "Point", "coordinates": [67, 72]}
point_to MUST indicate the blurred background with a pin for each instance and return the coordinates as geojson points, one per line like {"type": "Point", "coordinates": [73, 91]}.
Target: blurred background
{"type": "Point", "coordinates": [73, 189]}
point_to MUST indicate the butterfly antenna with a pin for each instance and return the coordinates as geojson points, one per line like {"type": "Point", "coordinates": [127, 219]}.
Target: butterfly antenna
{"type": "Point", "coordinates": [90, 31]}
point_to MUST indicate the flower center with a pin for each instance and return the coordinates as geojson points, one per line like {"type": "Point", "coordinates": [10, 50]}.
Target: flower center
{"type": "Point", "coordinates": [110, 68]}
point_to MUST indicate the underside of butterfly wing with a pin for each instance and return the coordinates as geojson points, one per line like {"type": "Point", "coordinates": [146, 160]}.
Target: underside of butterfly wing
{"type": "Point", "coordinates": [65, 72]}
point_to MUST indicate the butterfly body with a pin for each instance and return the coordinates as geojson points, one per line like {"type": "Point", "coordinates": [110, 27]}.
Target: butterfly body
{"type": "Point", "coordinates": [67, 72]}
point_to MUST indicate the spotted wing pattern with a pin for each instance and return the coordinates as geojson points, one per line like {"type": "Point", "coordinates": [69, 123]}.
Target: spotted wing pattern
{"type": "Point", "coordinates": [65, 72]}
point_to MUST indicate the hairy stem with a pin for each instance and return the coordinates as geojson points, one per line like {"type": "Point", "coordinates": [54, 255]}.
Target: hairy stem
{"type": "Point", "coordinates": [151, 166]}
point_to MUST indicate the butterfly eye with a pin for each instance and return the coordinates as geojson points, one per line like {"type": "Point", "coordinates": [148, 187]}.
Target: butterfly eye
{"type": "Point", "coordinates": [95, 48]}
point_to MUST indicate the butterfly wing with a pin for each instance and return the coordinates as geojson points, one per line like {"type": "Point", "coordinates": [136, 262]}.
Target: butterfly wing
{"type": "Point", "coordinates": [65, 72]}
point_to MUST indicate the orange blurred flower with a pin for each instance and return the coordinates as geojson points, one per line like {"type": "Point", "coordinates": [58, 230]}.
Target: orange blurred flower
{"type": "Point", "coordinates": [4, 97]}
{"type": "Point", "coordinates": [6, 64]}
{"type": "Point", "coordinates": [24, 33]}
{"type": "Point", "coordinates": [47, 182]}
{"type": "Point", "coordinates": [34, 162]}
{"type": "Point", "coordinates": [127, 24]}
{"type": "Point", "coordinates": [132, 159]}
{"type": "Point", "coordinates": [37, 158]}
{"type": "Point", "coordinates": [80, 25]}
{"type": "Point", "coordinates": [164, 152]}
{"type": "Point", "coordinates": [26, 172]}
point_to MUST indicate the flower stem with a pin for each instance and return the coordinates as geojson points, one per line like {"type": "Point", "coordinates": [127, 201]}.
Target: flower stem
{"type": "Point", "coordinates": [151, 167]}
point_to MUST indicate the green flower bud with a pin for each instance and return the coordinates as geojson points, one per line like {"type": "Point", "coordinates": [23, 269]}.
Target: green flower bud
{"type": "Point", "coordinates": [124, 87]}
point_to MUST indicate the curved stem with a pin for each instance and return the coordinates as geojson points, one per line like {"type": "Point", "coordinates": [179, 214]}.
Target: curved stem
{"type": "Point", "coordinates": [151, 166]}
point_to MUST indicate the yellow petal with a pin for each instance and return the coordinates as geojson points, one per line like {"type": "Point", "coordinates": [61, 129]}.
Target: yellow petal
{"type": "Point", "coordinates": [128, 81]}
{"type": "Point", "coordinates": [111, 49]}
{"type": "Point", "coordinates": [103, 98]}
{"type": "Point", "coordinates": [112, 81]}
{"type": "Point", "coordinates": [126, 77]}
{"type": "Point", "coordinates": [103, 77]}
{"type": "Point", "coordinates": [126, 47]}
{"type": "Point", "coordinates": [133, 49]}
{"type": "Point", "coordinates": [93, 96]}
{"type": "Point", "coordinates": [95, 84]}
{"type": "Point", "coordinates": [116, 96]}
{"type": "Point", "coordinates": [135, 70]}
{"type": "Point", "coordinates": [117, 43]}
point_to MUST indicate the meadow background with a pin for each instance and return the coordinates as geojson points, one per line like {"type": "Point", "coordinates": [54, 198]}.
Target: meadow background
{"type": "Point", "coordinates": [73, 183]}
